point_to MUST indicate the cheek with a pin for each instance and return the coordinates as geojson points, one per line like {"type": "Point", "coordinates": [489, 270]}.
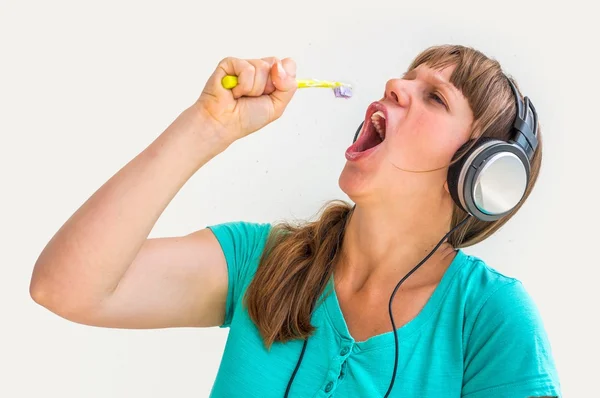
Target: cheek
{"type": "Point", "coordinates": [424, 145]}
{"type": "Point", "coordinates": [443, 146]}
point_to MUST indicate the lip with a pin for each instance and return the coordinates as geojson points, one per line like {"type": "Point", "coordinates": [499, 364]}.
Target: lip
{"type": "Point", "coordinates": [351, 154]}
{"type": "Point", "coordinates": [374, 107]}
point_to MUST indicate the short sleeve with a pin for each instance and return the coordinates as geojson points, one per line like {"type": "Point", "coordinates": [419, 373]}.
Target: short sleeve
{"type": "Point", "coordinates": [508, 353]}
{"type": "Point", "coordinates": [242, 244]}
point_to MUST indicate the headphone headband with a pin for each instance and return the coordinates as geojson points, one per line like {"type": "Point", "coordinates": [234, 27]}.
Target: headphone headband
{"type": "Point", "coordinates": [525, 125]}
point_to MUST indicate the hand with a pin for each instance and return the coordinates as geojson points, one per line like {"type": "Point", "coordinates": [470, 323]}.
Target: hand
{"type": "Point", "coordinates": [265, 88]}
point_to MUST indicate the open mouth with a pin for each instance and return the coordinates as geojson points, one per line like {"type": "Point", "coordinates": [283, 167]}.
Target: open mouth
{"type": "Point", "coordinates": [373, 132]}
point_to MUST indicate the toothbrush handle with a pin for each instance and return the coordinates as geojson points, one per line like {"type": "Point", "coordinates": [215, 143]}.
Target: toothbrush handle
{"type": "Point", "coordinates": [316, 83]}
{"type": "Point", "coordinates": [231, 81]}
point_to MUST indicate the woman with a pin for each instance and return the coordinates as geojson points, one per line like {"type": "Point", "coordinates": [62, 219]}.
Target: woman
{"type": "Point", "coordinates": [307, 305]}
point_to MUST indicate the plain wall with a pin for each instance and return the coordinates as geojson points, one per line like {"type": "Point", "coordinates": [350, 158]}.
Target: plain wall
{"type": "Point", "coordinates": [84, 87]}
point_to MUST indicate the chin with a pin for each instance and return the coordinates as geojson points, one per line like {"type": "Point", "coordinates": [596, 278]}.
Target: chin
{"type": "Point", "coordinates": [354, 182]}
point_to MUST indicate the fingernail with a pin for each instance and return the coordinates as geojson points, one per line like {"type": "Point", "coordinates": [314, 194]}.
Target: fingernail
{"type": "Point", "coordinates": [280, 70]}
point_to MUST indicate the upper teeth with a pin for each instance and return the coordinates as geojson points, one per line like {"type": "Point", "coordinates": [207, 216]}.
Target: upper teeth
{"type": "Point", "coordinates": [378, 119]}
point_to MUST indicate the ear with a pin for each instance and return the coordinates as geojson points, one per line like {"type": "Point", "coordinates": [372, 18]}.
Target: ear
{"type": "Point", "coordinates": [446, 186]}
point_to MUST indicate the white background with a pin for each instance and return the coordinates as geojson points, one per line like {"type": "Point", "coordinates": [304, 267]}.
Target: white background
{"type": "Point", "coordinates": [86, 86]}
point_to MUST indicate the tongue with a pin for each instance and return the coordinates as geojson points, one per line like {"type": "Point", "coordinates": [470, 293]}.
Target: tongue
{"type": "Point", "coordinates": [370, 140]}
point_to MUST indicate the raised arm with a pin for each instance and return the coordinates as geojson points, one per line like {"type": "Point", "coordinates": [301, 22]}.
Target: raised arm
{"type": "Point", "coordinates": [101, 269]}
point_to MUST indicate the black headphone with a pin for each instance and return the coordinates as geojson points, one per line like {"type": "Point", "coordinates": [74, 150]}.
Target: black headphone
{"type": "Point", "coordinates": [490, 179]}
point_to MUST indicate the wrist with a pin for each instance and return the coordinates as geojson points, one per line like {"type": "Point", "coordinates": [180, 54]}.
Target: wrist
{"type": "Point", "coordinates": [209, 128]}
{"type": "Point", "coordinates": [202, 131]}
{"type": "Point", "coordinates": [191, 139]}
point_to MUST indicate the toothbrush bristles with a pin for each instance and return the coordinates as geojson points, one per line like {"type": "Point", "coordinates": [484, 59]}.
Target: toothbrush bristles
{"type": "Point", "coordinates": [343, 91]}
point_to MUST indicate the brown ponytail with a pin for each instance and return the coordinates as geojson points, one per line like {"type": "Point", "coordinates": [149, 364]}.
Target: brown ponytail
{"type": "Point", "coordinates": [295, 267]}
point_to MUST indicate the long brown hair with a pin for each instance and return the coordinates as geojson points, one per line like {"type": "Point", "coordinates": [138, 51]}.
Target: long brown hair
{"type": "Point", "coordinates": [298, 258]}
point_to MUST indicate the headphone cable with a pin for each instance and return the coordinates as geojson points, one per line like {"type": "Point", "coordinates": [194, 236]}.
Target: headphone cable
{"type": "Point", "coordinates": [287, 390]}
{"type": "Point", "coordinates": [387, 394]}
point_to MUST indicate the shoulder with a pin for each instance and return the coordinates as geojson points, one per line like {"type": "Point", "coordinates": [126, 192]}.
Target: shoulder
{"type": "Point", "coordinates": [484, 288]}
{"type": "Point", "coordinates": [506, 348]}
{"type": "Point", "coordinates": [489, 293]}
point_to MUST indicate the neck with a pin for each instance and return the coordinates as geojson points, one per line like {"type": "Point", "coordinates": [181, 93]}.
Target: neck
{"type": "Point", "coordinates": [385, 242]}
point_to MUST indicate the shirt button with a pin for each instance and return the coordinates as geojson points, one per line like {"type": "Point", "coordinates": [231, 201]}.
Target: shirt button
{"type": "Point", "coordinates": [329, 386]}
{"type": "Point", "coordinates": [344, 351]}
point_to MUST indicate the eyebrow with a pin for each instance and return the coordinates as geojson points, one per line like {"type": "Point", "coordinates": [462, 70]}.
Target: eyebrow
{"type": "Point", "coordinates": [438, 80]}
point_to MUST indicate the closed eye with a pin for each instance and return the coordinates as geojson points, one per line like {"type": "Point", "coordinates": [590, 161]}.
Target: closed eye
{"type": "Point", "coordinates": [437, 99]}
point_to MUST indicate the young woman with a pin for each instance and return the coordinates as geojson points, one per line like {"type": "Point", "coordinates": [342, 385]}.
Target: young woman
{"type": "Point", "coordinates": [317, 309]}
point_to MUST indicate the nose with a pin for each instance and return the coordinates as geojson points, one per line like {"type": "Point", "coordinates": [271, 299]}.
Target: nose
{"type": "Point", "coordinates": [397, 90]}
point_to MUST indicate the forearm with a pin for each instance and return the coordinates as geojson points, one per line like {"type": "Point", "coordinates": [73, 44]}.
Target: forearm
{"type": "Point", "coordinates": [85, 260]}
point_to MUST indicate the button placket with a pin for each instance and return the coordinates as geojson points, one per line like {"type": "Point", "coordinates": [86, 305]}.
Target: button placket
{"type": "Point", "coordinates": [342, 371]}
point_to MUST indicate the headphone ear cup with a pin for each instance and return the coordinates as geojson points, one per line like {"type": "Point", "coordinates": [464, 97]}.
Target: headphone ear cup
{"type": "Point", "coordinates": [454, 174]}
{"type": "Point", "coordinates": [455, 170]}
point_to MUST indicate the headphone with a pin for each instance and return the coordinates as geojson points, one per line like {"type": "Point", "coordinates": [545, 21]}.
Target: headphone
{"type": "Point", "coordinates": [491, 178]}
{"type": "Point", "coordinates": [487, 182]}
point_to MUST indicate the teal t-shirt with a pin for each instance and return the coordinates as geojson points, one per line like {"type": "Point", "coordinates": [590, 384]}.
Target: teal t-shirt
{"type": "Point", "coordinates": [478, 336]}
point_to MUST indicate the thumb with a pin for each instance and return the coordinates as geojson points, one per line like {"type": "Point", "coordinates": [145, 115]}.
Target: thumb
{"type": "Point", "coordinates": [283, 75]}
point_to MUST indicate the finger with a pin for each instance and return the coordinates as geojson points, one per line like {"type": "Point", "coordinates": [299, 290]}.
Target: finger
{"type": "Point", "coordinates": [283, 74]}
{"type": "Point", "coordinates": [245, 73]}
{"type": "Point", "coordinates": [213, 85]}
{"type": "Point", "coordinates": [262, 77]}
{"type": "Point", "coordinates": [269, 87]}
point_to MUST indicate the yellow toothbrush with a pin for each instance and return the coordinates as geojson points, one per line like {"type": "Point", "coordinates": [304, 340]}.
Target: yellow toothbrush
{"type": "Point", "coordinates": [341, 90]}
